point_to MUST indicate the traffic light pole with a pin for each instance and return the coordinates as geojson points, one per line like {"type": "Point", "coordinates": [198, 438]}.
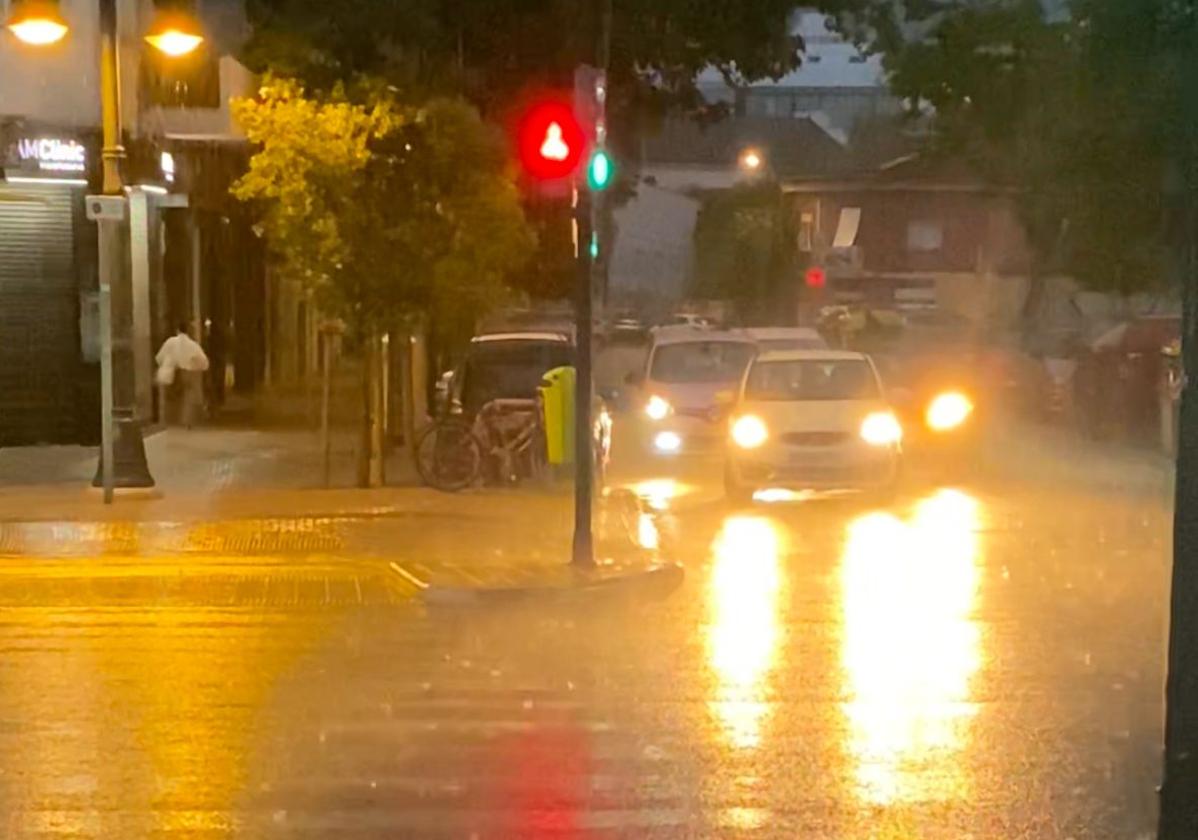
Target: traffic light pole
{"type": "Point", "coordinates": [584, 551]}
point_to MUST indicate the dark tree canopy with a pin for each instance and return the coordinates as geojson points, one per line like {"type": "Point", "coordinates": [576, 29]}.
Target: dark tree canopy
{"type": "Point", "coordinates": [490, 50]}
{"type": "Point", "coordinates": [1069, 104]}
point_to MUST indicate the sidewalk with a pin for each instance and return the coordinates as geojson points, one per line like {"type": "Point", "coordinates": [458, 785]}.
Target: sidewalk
{"type": "Point", "coordinates": [238, 506]}
{"type": "Point", "coordinates": [199, 472]}
{"type": "Point", "coordinates": [368, 546]}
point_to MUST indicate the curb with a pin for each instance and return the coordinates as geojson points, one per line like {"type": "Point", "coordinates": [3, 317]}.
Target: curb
{"type": "Point", "coordinates": [654, 582]}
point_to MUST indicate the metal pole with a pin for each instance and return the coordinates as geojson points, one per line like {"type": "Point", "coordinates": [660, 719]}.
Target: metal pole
{"type": "Point", "coordinates": [106, 476]}
{"type": "Point", "coordinates": [128, 462]}
{"type": "Point", "coordinates": [1179, 803]}
{"type": "Point", "coordinates": [599, 206]}
{"type": "Point", "coordinates": [584, 552]}
{"type": "Point", "coordinates": [1179, 786]}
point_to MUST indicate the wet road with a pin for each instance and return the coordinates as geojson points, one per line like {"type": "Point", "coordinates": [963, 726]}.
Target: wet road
{"type": "Point", "coordinates": [976, 661]}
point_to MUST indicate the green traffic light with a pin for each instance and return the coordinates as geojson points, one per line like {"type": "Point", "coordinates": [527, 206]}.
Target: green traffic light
{"type": "Point", "coordinates": [599, 170]}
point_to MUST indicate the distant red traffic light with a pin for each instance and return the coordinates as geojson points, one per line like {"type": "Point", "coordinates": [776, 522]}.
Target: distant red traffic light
{"type": "Point", "coordinates": [550, 141]}
{"type": "Point", "coordinates": [815, 278]}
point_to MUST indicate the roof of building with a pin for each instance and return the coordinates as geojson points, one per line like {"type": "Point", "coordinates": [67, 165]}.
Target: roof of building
{"type": "Point", "coordinates": [828, 60]}
{"type": "Point", "coordinates": [791, 147]}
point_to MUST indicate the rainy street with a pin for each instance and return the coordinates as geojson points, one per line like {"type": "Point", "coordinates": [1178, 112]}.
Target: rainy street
{"type": "Point", "coordinates": [975, 660]}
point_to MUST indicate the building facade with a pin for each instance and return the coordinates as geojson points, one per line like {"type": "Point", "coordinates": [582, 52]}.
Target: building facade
{"type": "Point", "coordinates": [914, 235]}
{"type": "Point", "coordinates": [187, 248]}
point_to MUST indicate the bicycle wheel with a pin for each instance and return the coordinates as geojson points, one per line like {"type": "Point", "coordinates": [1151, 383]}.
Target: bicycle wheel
{"type": "Point", "coordinates": [449, 456]}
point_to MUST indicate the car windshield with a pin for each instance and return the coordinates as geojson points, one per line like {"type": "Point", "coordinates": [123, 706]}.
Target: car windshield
{"type": "Point", "coordinates": [811, 379]}
{"type": "Point", "coordinates": [700, 361]}
{"type": "Point", "coordinates": [509, 369]}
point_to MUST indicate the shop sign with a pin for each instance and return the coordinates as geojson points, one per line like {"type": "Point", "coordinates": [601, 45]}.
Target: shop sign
{"type": "Point", "coordinates": [51, 154]}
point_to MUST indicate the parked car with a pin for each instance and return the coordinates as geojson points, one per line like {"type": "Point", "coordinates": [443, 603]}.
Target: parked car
{"type": "Point", "coordinates": [811, 420]}
{"type": "Point", "coordinates": [689, 320]}
{"type": "Point", "coordinates": [687, 386]}
{"type": "Point", "coordinates": [626, 330]}
{"type": "Point", "coordinates": [512, 366]}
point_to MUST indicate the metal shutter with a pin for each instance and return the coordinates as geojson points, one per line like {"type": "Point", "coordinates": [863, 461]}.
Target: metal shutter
{"type": "Point", "coordinates": [39, 344]}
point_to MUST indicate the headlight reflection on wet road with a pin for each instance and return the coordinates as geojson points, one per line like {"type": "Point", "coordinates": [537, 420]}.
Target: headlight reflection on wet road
{"type": "Point", "coordinates": [744, 631]}
{"type": "Point", "coordinates": [910, 648]}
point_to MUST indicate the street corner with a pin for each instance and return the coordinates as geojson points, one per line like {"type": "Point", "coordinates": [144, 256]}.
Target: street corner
{"type": "Point", "coordinates": [465, 585]}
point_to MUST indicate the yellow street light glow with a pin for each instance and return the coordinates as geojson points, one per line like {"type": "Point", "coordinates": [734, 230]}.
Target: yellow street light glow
{"type": "Point", "coordinates": [37, 23]}
{"type": "Point", "coordinates": [948, 411]}
{"type": "Point", "coordinates": [174, 42]}
{"type": "Point", "coordinates": [174, 34]}
{"type": "Point", "coordinates": [751, 160]}
{"type": "Point", "coordinates": [657, 408]}
{"type": "Point", "coordinates": [881, 429]}
{"type": "Point", "coordinates": [749, 432]}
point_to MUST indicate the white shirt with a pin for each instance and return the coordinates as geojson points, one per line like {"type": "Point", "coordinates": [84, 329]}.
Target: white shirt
{"type": "Point", "coordinates": [181, 352]}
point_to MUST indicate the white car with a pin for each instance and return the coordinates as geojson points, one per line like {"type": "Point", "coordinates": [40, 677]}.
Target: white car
{"type": "Point", "coordinates": [688, 386]}
{"type": "Point", "coordinates": [812, 420]}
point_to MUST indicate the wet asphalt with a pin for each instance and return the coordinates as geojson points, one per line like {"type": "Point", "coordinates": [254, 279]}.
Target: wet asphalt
{"type": "Point", "coordinates": [981, 658]}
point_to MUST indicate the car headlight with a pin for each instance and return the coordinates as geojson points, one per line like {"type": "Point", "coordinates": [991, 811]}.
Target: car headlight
{"type": "Point", "coordinates": [881, 429]}
{"type": "Point", "coordinates": [749, 432]}
{"type": "Point", "coordinates": [667, 442]}
{"type": "Point", "coordinates": [948, 411]}
{"type": "Point", "coordinates": [657, 408]}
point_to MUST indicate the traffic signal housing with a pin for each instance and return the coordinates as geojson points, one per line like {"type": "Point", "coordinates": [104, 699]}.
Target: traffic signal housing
{"type": "Point", "coordinates": [550, 141]}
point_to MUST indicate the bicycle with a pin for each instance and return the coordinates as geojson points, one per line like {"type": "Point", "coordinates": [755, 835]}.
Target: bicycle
{"type": "Point", "coordinates": [504, 444]}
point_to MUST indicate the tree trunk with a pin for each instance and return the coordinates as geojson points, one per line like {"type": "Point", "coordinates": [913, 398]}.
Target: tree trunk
{"type": "Point", "coordinates": [370, 453]}
{"type": "Point", "coordinates": [325, 398]}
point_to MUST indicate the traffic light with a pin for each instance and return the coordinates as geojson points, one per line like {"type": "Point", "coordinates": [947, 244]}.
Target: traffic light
{"type": "Point", "coordinates": [550, 141]}
{"type": "Point", "coordinates": [599, 170]}
{"type": "Point", "coordinates": [815, 278]}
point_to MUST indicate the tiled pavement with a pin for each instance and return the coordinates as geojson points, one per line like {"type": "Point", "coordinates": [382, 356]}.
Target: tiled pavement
{"type": "Point", "coordinates": [237, 520]}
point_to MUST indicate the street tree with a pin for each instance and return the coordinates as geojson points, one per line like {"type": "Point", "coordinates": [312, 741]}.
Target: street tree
{"type": "Point", "coordinates": [1064, 106]}
{"type": "Point", "coordinates": [496, 53]}
{"type": "Point", "coordinates": [743, 251]}
{"type": "Point", "coordinates": [389, 214]}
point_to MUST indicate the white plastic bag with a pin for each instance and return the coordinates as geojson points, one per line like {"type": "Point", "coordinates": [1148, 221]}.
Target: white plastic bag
{"type": "Point", "coordinates": [166, 374]}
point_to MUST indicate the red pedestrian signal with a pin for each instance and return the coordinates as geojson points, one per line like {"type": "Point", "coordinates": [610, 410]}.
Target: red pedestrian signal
{"type": "Point", "coordinates": [815, 278]}
{"type": "Point", "coordinates": [550, 141]}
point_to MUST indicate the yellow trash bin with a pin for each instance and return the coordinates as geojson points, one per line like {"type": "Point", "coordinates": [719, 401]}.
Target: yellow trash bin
{"type": "Point", "coordinates": [557, 396]}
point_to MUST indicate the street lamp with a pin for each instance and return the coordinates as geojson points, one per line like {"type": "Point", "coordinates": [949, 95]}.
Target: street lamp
{"type": "Point", "coordinates": [173, 34]}
{"type": "Point", "coordinates": [751, 161]}
{"type": "Point", "coordinates": [39, 22]}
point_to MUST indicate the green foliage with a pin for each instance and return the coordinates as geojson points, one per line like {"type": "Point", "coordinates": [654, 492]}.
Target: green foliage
{"type": "Point", "coordinates": [495, 53]}
{"type": "Point", "coordinates": [385, 211]}
{"type": "Point", "coordinates": [742, 251]}
{"type": "Point", "coordinates": [1069, 110]}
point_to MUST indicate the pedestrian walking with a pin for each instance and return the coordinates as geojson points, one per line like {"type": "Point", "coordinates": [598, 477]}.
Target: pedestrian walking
{"type": "Point", "coordinates": [181, 366]}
